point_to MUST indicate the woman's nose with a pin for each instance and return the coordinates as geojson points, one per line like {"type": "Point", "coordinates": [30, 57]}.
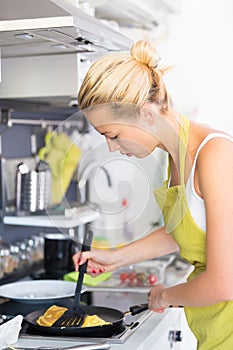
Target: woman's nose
{"type": "Point", "coordinates": [112, 145]}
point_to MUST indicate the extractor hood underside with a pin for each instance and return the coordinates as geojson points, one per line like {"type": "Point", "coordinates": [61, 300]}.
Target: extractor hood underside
{"type": "Point", "coordinates": [61, 26]}
{"type": "Point", "coordinates": [55, 35]}
{"type": "Point", "coordinates": [55, 26]}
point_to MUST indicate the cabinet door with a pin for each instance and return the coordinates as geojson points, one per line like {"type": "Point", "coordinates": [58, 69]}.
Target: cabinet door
{"type": "Point", "coordinates": [188, 339]}
{"type": "Point", "coordinates": [166, 342]}
{"type": "Point", "coordinates": [176, 334]}
{"type": "Point", "coordinates": [169, 335]}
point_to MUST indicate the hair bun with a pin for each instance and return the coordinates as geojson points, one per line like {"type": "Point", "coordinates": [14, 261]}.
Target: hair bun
{"type": "Point", "coordinates": [143, 51]}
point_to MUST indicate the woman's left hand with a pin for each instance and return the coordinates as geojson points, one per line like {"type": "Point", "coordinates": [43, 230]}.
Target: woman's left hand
{"type": "Point", "coordinates": [155, 300]}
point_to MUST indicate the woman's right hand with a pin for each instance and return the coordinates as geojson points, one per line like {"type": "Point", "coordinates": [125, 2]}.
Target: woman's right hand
{"type": "Point", "coordinates": [99, 261]}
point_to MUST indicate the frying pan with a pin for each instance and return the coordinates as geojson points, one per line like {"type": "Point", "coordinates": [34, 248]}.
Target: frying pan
{"type": "Point", "coordinates": [114, 316]}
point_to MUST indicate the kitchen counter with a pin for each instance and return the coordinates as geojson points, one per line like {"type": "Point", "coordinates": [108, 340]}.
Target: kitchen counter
{"type": "Point", "coordinates": [147, 335]}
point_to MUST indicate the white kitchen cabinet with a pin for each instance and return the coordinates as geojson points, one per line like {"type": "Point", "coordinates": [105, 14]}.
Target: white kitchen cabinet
{"type": "Point", "coordinates": [171, 339]}
{"type": "Point", "coordinates": [177, 335]}
{"type": "Point", "coordinates": [167, 332]}
{"type": "Point", "coordinates": [165, 336]}
{"type": "Point", "coordinates": [171, 332]}
{"type": "Point", "coordinates": [188, 339]}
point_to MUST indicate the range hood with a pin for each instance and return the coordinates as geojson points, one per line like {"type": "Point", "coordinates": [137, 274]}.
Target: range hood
{"type": "Point", "coordinates": [48, 45]}
{"type": "Point", "coordinates": [46, 48]}
{"type": "Point", "coordinates": [71, 31]}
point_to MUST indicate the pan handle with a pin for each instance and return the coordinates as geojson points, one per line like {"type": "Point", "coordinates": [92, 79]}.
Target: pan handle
{"type": "Point", "coordinates": [136, 309]}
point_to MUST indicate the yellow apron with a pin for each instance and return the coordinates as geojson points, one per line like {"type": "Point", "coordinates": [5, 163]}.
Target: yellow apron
{"type": "Point", "coordinates": [212, 325]}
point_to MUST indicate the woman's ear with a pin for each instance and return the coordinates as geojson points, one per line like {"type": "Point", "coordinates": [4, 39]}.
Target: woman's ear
{"type": "Point", "coordinates": [147, 115]}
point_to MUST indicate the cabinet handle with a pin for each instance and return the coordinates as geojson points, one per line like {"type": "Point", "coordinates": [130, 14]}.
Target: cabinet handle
{"type": "Point", "coordinates": [174, 336]}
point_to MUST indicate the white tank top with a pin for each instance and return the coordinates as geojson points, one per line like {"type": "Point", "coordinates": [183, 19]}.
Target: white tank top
{"type": "Point", "coordinates": [195, 202]}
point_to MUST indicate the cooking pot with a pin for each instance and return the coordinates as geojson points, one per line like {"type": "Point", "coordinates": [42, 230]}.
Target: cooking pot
{"type": "Point", "coordinates": [58, 251]}
{"type": "Point", "coordinates": [114, 316]}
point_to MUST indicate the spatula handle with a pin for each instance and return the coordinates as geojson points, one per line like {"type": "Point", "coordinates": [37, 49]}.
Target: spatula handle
{"type": "Point", "coordinates": [86, 246]}
{"type": "Point", "coordinates": [82, 269]}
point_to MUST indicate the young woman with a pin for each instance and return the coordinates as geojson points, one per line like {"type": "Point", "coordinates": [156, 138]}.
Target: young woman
{"type": "Point", "coordinates": [124, 97]}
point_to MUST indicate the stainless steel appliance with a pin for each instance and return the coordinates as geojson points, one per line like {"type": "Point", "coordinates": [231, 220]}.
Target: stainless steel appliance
{"type": "Point", "coordinates": [33, 188]}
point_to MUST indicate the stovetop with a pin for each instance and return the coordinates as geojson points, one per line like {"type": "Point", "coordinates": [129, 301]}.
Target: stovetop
{"type": "Point", "coordinates": [11, 308]}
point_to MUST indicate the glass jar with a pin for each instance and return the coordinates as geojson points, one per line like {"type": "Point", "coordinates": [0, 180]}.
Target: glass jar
{"type": "Point", "coordinates": [39, 247]}
{"type": "Point", "coordinates": [15, 254]}
{"type": "Point", "coordinates": [33, 247]}
{"type": "Point", "coordinates": [25, 254]}
{"type": "Point", "coordinates": [7, 261]}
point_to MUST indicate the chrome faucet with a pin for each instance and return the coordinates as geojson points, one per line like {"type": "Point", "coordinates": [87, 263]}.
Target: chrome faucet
{"type": "Point", "coordinates": [84, 180]}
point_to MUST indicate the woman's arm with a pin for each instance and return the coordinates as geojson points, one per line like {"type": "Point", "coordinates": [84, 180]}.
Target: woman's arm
{"type": "Point", "coordinates": [215, 284]}
{"type": "Point", "coordinates": [156, 244]}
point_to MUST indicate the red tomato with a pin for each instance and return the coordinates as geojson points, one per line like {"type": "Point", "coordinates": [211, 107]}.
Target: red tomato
{"type": "Point", "coordinates": [123, 276]}
{"type": "Point", "coordinates": [152, 279]}
{"type": "Point", "coordinates": [132, 276]}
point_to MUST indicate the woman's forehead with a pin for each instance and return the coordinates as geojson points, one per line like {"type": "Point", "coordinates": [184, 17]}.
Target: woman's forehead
{"type": "Point", "coordinates": [110, 126]}
{"type": "Point", "coordinates": [114, 110]}
{"type": "Point", "coordinates": [105, 119]}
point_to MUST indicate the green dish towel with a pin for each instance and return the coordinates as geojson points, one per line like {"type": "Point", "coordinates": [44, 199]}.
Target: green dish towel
{"type": "Point", "coordinates": [87, 280]}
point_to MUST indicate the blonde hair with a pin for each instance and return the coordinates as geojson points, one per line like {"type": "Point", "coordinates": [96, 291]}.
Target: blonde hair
{"type": "Point", "coordinates": [125, 78]}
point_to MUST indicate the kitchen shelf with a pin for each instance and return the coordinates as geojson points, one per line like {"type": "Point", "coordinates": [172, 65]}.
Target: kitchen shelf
{"type": "Point", "coordinates": [83, 215]}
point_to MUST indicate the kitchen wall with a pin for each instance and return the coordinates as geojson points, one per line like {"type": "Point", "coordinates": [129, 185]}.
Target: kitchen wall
{"type": "Point", "coordinates": [198, 46]}
{"type": "Point", "coordinates": [196, 41]}
{"type": "Point", "coordinates": [16, 144]}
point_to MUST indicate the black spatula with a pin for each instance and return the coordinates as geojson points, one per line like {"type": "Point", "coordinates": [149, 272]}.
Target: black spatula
{"type": "Point", "coordinates": [74, 317]}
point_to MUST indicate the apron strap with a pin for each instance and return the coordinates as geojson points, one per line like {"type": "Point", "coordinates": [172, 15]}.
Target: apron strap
{"type": "Point", "coordinates": [183, 142]}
